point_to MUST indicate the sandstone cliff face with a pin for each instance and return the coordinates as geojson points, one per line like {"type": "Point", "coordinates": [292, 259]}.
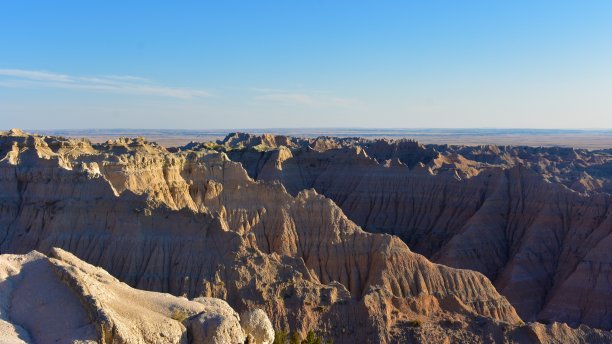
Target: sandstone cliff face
{"type": "Point", "coordinates": [193, 223]}
{"type": "Point", "coordinates": [61, 299]}
{"type": "Point", "coordinates": [508, 212]}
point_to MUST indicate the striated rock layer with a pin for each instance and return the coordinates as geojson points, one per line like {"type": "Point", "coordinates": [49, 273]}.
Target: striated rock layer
{"type": "Point", "coordinates": [193, 223]}
{"type": "Point", "coordinates": [536, 221]}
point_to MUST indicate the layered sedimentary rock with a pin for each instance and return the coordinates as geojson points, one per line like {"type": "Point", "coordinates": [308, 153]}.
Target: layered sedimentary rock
{"type": "Point", "coordinates": [193, 223]}
{"type": "Point", "coordinates": [582, 170]}
{"type": "Point", "coordinates": [522, 216]}
{"type": "Point", "coordinates": [61, 299]}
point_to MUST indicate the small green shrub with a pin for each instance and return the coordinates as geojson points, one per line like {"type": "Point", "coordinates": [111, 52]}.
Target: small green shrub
{"type": "Point", "coordinates": [295, 338]}
{"type": "Point", "coordinates": [311, 338]}
{"type": "Point", "coordinates": [179, 314]}
{"type": "Point", "coordinates": [280, 337]}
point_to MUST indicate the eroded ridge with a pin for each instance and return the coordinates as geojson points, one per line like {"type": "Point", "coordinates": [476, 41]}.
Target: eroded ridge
{"type": "Point", "coordinates": [192, 222]}
{"type": "Point", "coordinates": [536, 221]}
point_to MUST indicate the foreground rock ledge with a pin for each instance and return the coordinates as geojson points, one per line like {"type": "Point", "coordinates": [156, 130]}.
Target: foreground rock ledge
{"type": "Point", "coordinates": [61, 299]}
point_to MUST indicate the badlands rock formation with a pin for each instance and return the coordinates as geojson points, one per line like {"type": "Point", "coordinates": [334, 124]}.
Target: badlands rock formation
{"type": "Point", "coordinates": [61, 299]}
{"type": "Point", "coordinates": [258, 327]}
{"type": "Point", "coordinates": [536, 221]}
{"type": "Point", "coordinates": [191, 222]}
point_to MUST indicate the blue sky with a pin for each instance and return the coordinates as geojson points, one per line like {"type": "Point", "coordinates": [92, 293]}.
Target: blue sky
{"type": "Point", "coordinates": [265, 64]}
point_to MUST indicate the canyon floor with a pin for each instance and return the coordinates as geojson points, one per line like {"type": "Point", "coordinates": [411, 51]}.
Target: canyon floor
{"type": "Point", "coordinates": [242, 237]}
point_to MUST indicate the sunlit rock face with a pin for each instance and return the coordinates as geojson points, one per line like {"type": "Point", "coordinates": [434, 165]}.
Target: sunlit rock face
{"type": "Point", "coordinates": [536, 221]}
{"type": "Point", "coordinates": [192, 223]}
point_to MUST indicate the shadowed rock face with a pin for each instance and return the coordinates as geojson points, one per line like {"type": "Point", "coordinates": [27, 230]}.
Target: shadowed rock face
{"type": "Point", "coordinates": [193, 223]}
{"type": "Point", "coordinates": [536, 221]}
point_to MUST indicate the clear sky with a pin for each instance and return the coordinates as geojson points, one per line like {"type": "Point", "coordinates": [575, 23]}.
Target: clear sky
{"type": "Point", "coordinates": [271, 64]}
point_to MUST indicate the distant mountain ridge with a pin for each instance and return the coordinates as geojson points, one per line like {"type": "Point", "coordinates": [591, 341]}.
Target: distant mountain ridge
{"type": "Point", "coordinates": [583, 138]}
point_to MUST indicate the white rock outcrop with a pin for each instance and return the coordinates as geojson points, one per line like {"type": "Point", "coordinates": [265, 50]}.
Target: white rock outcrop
{"type": "Point", "coordinates": [61, 299]}
{"type": "Point", "coordinates": [257, 327]}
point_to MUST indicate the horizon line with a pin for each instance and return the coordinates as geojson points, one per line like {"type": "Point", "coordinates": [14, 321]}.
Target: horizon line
{"type": "Point", "coordinates": [321, 128]}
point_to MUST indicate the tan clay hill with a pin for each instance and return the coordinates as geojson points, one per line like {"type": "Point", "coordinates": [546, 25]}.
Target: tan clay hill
{"type": "Point", "coordinates": [192, 223]}
{"type": "Point", "coordinates": [536, 221]}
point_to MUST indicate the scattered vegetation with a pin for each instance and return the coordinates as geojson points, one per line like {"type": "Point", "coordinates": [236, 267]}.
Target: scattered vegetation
{"type": "Point", "coordinates": [295, 338]}
{"type": "Point", "coordinates": [179, 314]}
{"type": "Point", "coordinates": [282, 337]}
{"type": "Point", "coordinates": [312, 338]}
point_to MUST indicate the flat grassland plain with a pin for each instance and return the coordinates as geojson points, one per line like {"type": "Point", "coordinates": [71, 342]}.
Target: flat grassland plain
{"type": "Point", "coordinates": [579, 138]}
